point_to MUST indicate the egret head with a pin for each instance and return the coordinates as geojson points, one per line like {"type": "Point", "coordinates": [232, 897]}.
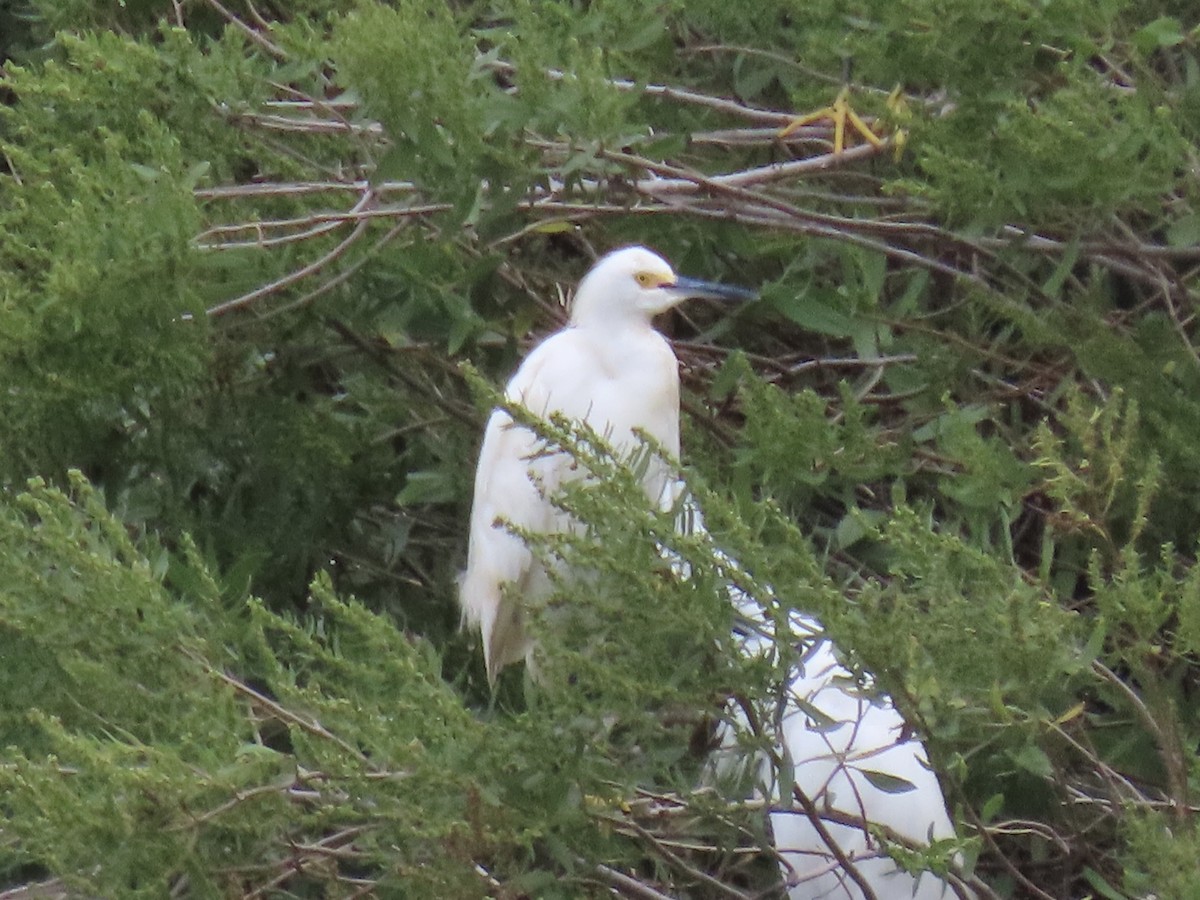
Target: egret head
{"type": "Point", "coordinates": [634, 283]}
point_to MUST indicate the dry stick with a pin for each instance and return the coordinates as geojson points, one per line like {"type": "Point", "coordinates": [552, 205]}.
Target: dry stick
{"type": "Point", "coordinates": [674, 859]}
{"type": "Point", "coordinates": [680, 180]}
{"type": "Point", "coordinates": [843, 236]}
{"type": "Point", "coordinates": [851, 363]}
{"type": "Point", "coordinates": [630, 884]}
{"type": "Point", "coordinates": [766, 174]}
{"type": "Point", "coordinates": [308, 125]}
{"type": "Point", "coordinates": [303, 272]}
{"type": "Point", "coordinates": [332, 169]}
{"type": "Point", "coordinates": [257, 16]}
{"type": "Point", "coordinates": [325, 221]}
{"type": "Point", "coordinates": [338, 278]}
{"type": "Point", "coordinates": [814, 819]}
{"type": "Point", "coordinates": [331, 222]}
{"type": "Point", "coordinates": [1176, 773]}
{"type": "Point", "coordinates": [255, 36]}
{"type": "Point", "coordinates": [1008, 864]}
{"type": "Point", "coordinates": [722, 353]}
{"type": "Point", "coordinates": [762, 137]}
{"type": "Point", "coordinates": [236, 800]}
{"type": "Point", "coordinates": [1134, 249]}
{"type": "Point", "coordinates": [762, 175]}
{"type": "Point", "coordinates": [50, 889]}
{"type": "Point", "coordinates": [309, 103]}
{"type": "Point", "coordinates": [331, 852]}
{"type": "Point", "coordinates": [733, 107]}
{"type": "Point", "coordinates": [1109, 806]}
{"type": "Point", "coordinates": [1028, 826]}
{"type": "Point", "coordinates": [284, 189]}
{"type": "Point", "coordinates": [312, 726]}
{"type": "Point", "coordinates": [874, 226]}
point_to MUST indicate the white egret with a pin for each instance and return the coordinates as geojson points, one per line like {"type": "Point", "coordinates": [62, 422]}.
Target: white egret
{"type": "Point", "coordinates": [608, 368]}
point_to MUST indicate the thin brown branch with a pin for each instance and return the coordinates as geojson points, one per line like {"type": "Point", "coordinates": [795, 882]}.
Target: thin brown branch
{"type": "Point", "coordinates": [341, 277]}
{"type": "Point", "coordinates": [256, 36]}
{"type": "Point", "coordinates": [280, 283]}
{"type": "Point", "coordinates": [1168, 751]}
{"type": "Point", "coordinates": [307, 124]}
{"type": "Point", "coordinates": [666, 92]}
{"type": "Point", "coordinates": [762, 175]}
{"type": "Point", "coordinates": [675, 860]}
{"type": "Point", "coordinates": [285, 189]}
{"type": "Point", "coordinates": [237, 800]}
{"type": "Point", "coordinates": [312, 726]}
{"type": "Point", "coordinates": [630, 885]}
{"type": "Point", "coordinates": [1009, 866]}
{"type": "Point", "coordinates": [322, 223]}
{"type": "Point", "coordinates": [831, 844]}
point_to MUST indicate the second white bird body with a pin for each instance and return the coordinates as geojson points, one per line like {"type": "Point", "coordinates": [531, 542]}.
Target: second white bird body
{"type": "Point", "coordinates": [848, 750]}
{"type": "Point", "coordinates": [843, 745]}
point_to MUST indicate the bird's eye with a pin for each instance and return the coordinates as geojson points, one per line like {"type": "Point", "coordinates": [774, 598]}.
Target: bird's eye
{"type": "Point", "coordinates": [645, 279]}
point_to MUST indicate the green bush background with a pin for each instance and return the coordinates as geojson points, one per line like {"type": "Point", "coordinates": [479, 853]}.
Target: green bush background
{"type": "Point", "coordinates": [244, 253]}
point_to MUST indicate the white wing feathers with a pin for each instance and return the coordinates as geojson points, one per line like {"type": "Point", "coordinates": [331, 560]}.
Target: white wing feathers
{"type": "Point", "coordinates": [569, 373]}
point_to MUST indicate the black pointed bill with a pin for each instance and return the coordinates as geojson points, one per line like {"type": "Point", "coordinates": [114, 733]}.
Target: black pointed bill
{"type": "Point", "coordinates": [694, 287]}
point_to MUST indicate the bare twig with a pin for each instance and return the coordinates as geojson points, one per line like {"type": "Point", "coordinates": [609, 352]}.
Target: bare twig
{"type": "Point", "coordinates": [341, 277]}
{"type": "Point", "coordinates": [630, 885]}
{"type": "Point", "coordinates": [285, 189]}
{"type": "Point", "coordinates": [284, 714]}
{"type": "Point", "coordinates": [321, 223]}
{"type": "Point", "coordinates": [1167, 749]}
{"type": "Point", "coordinates": [246, 299]}
{"type": "Point", "coordinates": [256, 36]}
{"type": "Point", "coordinates": [1008, 864]}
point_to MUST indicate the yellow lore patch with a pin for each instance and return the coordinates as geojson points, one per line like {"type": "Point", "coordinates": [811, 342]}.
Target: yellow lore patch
{"type": "Point", "coordinates": [652, 279]}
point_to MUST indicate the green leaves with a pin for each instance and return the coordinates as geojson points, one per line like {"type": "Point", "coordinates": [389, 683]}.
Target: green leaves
{"type": "Point", "coordinates": [450, 128]}
{"type": "Point", "coordinates": [1165, 31]}
{"type": "Point", "coordinates": [887, 783]}
{"type": "Point", "coordinates": [961, 428]}
{"type": "Point", "coordinates": [149, 755]}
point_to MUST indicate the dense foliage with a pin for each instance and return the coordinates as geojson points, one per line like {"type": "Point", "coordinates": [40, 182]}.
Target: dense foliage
{"type": "Point", "coordinates": [245, 250]}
